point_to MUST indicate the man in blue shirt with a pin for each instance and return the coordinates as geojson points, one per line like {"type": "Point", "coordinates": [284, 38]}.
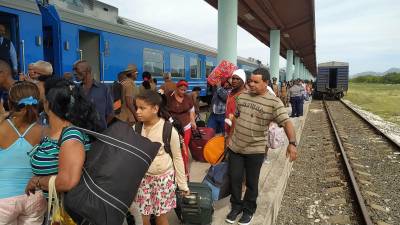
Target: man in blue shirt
{"type": "Point", "coordinates": [218, 105]}
{"type": "Point", "coordinates": [95, 92]}
{"type": "Point", "coordinates": [7, 50]}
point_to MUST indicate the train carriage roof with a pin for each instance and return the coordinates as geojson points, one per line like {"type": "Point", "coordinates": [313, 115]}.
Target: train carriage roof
{"type": "Point", "coordinates": [130, 28]}
{"type": "Point", "coordinates": [333, 64]}
{"type": "Point", "coordinates": [24, 5]}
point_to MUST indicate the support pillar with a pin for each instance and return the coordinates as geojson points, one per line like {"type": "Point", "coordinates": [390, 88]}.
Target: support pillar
{"type": "Point", "coordinates": [289, 65]}
{"type": "Point", "coordinates": [275, 39]}
{"type": "Point", "coordinates": [227, 30]}
{"type": "Point", "coordinates": [296, 67]}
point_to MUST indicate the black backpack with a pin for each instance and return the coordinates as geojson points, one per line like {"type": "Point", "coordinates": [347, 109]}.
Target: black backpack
{"type": "Point", "coordinates": [166, 135]}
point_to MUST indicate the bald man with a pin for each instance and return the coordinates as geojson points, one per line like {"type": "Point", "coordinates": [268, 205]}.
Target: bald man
{"type": "Point", "coordinates": [95, 92]}
{"type": "Point", "coordinates": [7, 50]}
{"type": "Point", "coordinates": [6, 81]}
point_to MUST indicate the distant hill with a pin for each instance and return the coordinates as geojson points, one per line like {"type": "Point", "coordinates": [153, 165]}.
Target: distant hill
{"type": "Point", "coordinates": [391, 70]}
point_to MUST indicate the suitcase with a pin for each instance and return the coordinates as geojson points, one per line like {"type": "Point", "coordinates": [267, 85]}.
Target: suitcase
{"type": "Point", "coordinates": [199, 139]}
{"type": "Point", "coordinates": [196, 208]}
{"type": "Point", "coordinates": [217, 179]}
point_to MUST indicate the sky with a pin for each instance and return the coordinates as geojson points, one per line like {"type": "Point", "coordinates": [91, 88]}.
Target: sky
{"type": "Point", "coordinates": [365, 33]}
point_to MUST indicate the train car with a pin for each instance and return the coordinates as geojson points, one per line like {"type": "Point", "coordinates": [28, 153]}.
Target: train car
{"type": "Point", "coordinates": [332, 79]}
{"type": "Point", "coordinates": [23, 23]}
{"type": "Point", "coordinates": [92, 30]}
{"type": "Point", "coordinates": [96, 33]}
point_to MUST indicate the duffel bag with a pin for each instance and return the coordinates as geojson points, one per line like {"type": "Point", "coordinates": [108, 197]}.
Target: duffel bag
{"type": "Point", "coordinates": [200, 137]}
{"type": "Point", "coordinates": [217, 178]}
{"type": "Point", "coordinates": [113, 170]}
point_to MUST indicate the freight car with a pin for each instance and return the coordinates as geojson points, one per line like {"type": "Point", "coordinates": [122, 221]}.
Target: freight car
{"type": "Point", "coordinates": [332, 80]}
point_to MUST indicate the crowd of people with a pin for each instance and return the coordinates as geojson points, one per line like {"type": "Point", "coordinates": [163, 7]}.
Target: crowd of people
{"type": "Point", "coordinates": [38, 114]}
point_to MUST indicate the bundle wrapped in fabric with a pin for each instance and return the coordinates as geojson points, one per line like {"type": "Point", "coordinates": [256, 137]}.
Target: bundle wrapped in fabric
{"type": "Point", "coordinates": [113, 170]}
{"type": "Point", "coordinates": [221, 73]}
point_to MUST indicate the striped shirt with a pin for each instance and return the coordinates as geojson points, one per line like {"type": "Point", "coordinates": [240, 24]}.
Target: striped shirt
{"type": "Point", "coordinates": [44, 156]}
{"type": "Point", "coordinates": [254, 113]}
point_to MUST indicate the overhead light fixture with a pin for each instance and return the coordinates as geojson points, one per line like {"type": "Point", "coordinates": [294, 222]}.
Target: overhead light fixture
{"type": "Point", "coordinates": [249, 17]}
{"type": "Point", "coordinates": [286, 35]}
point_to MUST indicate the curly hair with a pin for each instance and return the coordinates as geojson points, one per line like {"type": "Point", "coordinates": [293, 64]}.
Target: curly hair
{"type": "Point", "coordinates": [68, 103]}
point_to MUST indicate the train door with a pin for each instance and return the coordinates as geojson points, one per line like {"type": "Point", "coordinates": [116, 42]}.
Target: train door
{"type": "Point", "coordinates": [10, 22]}
{"type": "Point", "coordinates": [333, 72]}
{"type": "Point", "coordinates": [89, 48]}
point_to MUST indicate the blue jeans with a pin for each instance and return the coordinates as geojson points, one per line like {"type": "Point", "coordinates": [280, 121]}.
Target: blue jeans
{"type": "Point", "coordinates": [297, 106]}
{"type": "Point", "coordinates": [217, 122]}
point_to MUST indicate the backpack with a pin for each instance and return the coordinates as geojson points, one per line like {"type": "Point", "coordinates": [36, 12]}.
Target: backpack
{"type": "Point", "coordinates": [166, 135]}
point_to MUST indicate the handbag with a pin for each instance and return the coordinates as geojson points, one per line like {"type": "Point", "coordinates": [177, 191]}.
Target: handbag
{"type": "Point", "coordinates": [56, 214]}
{"type": "Point", "coordinates": [276, 136]}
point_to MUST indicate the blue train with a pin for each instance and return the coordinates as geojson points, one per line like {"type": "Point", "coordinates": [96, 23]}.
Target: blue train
{"type": "Point", "coordinates": [63, 31]}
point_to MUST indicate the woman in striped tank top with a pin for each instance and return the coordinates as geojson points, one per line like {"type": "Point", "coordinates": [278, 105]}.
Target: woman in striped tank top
{"type": "Point", "coordinates": [62, 151]}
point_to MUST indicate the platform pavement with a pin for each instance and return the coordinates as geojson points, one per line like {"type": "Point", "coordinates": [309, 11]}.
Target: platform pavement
{"type": "Point", "coordinates": [273, 179]}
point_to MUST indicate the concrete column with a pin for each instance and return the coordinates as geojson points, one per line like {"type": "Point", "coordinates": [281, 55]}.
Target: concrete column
{"type": "Point", "coordinates": [227, 30]}
{"type": "Point", "coordinates": [301, 70]}
{"type": "Point", "coordinates": [296, 67]}
{"type": "Point", "coordinates": [275, 42]}
{"type": "Point", "coordinates": [289, 65]}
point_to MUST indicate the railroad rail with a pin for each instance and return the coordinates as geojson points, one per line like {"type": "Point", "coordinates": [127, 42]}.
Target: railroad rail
{"type": "Point", "coordinates": [349, 170]}
{"type": "Point", "coordinates": [368, 211]}
{"type": "Point", "coordinates": [395, 143]}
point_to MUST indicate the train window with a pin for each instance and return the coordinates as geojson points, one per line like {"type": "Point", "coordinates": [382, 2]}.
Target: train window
{"type": "Point", "coordinates": [195, 68]}
{"type": "Point", "coordinates": [177, 65]}
{"type": "Point", "coordinates": [153, 61]}
{"type": "Point", "coordinates": [209, 67]}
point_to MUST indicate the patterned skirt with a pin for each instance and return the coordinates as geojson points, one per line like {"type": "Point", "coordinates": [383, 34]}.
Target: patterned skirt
{"type": "Point", "coordinates": [156, 194]}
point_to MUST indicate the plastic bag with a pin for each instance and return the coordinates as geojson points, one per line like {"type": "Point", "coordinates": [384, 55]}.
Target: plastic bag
{"type": "Point", "coordinates": [221, 73]}
{"type": "Point", "coordinates": [56, 213]}
{"type": "Point", "coordinates": [276, 136]}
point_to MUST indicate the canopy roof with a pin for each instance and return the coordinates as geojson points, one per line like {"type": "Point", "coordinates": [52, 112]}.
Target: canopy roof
{"type": "Point", "coordinates": [294, 18]}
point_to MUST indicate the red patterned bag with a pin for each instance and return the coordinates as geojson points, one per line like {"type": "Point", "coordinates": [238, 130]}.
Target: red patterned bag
{"type": "Point", "coordinates": [221, 73]}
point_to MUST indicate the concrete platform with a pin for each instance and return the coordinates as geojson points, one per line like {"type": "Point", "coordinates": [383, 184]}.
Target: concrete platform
{"type": "Point", "coordinates": [273, 179]}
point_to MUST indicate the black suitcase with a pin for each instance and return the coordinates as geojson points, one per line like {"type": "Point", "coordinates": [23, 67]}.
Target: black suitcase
{"type": "Point", "coordinates": [196, 208]}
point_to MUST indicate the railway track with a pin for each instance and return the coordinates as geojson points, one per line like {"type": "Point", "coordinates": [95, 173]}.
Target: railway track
{"type": "Point", "coordinates": [371, 162]}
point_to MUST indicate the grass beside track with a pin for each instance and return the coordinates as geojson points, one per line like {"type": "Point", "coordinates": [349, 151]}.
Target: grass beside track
{"type": "Point", "coordinates": [381, 99]}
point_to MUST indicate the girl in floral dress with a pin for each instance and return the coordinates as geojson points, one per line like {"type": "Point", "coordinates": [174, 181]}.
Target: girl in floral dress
{"type": "Point", "coordinates": [156, 194]}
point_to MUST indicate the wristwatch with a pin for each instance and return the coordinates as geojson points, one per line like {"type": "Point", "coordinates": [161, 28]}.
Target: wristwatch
{"type": "Point", "coordinates": [293, 143]}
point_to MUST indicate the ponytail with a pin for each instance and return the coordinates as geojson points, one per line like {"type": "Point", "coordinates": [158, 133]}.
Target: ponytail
{"type": "Point", "coordinates": [24, 95]}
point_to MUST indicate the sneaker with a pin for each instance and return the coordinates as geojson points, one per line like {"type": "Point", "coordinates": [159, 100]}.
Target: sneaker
{"type": "Point", "coordinates": [245, 219]}
{"type": "Point", "coordinates": [232, 215]}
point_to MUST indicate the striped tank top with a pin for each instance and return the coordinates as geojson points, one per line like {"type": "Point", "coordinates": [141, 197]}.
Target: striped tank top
{"type": "Point", "coordinates": [44, 156]}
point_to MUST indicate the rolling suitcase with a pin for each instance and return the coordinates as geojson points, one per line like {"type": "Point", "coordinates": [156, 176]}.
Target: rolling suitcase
{"type": "Point", "coordinates": [199, 139]}
{"type": "Point", "coordinates": [196, 208]}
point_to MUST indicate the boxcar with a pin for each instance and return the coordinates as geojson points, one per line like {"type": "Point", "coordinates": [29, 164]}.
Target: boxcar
{"type": "Point", "coordinates": [332, 79]}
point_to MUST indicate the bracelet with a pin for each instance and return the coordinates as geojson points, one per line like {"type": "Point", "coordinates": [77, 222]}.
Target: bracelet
{"type": "Point", "coordinates": [38, 183]}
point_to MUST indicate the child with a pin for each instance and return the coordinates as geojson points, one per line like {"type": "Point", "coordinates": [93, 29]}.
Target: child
{"type": "Point", "coordinates": [156, 194]}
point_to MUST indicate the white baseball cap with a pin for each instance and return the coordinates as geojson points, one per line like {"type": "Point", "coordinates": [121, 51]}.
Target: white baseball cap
{"type": "Point", "coordinates": [240, 73]}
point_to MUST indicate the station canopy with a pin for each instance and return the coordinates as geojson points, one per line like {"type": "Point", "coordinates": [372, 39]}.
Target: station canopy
{"type": "Point", "coordinates": [294, 18]}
